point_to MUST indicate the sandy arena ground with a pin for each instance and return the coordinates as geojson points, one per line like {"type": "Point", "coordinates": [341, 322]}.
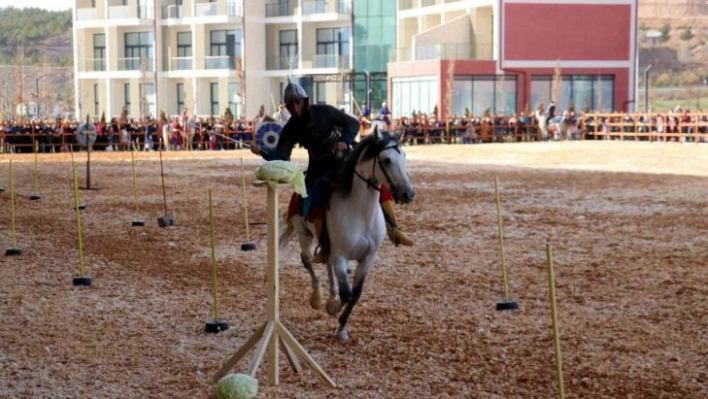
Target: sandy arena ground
{"type": "Point", "coordinates": [627, 222]}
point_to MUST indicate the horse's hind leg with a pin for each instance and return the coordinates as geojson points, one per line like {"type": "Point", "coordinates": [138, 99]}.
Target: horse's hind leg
{"type": "Point", "coordinates": [306, 257]}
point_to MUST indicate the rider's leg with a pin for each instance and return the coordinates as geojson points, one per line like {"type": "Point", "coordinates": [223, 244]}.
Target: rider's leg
{"type": "Point", "coordinates": [395, 234]}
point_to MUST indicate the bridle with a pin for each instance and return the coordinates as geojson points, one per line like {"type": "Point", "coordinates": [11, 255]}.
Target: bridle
{"type": "Point", "coordinates": [371, 181]}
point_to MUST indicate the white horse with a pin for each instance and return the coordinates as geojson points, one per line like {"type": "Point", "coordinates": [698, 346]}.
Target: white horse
{"type": "Point", "coordinates": [560, 130]}
{"type": "Point", "coordinates": [355, 222]}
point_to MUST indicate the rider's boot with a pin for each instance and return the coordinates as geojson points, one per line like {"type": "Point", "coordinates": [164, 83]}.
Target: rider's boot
{"type": "Point", "coordinates": [397, 236]}
{"type": "Point", "coordinates": [323, 255]}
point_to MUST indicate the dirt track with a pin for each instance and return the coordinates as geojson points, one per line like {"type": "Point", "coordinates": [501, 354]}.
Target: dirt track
{"type": "Point", "coordinates": [626, 220]}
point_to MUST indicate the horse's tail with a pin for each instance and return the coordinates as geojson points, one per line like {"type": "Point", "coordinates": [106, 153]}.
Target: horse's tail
{"type": "Point", "coordinates": [286, 232]}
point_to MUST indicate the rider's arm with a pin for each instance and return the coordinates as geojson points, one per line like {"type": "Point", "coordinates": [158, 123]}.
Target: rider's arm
{"type": "Point", "coordinates": [348, 124]}
{"type": "Point", "coordinates": [282, 151]}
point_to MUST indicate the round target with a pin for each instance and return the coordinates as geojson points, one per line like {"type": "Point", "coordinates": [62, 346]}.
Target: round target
{"type": "Point", "coordinates": [268, 134]}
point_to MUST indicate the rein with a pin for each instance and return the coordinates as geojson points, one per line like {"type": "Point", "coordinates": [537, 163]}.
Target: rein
{"type": "Point", "coordinates": [371, 182]}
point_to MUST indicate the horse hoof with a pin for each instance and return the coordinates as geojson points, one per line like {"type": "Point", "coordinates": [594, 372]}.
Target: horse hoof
{"type": "Point", "coordinates": [343, 336]}
{"type": "Point", "coordinates": [315, 300]}
{"type": "Point", "coordinates": [334, 306]}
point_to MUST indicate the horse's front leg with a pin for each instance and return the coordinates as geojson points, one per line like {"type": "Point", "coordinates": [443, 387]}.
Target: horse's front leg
{"type": "Point", "coordinates": [339, 269]}
{"type": "Point", "coordinates": [334, 304]}
{"type": "Point", "coordinates": [362, 270]}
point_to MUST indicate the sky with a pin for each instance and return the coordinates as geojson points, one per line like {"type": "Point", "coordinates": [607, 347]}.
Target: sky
{"type": "Point", "coordinates": [52, 5]}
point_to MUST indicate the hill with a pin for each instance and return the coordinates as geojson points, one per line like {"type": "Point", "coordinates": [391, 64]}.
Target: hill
{"type": "Point", "coordinates": [680, 55]}
{"type": "Point", "coordinates": [33, 36]}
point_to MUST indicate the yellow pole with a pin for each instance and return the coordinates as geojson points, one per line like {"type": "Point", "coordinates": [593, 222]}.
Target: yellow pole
{"type": "Point", "coordinates": [36, 173]}
{"type": "Point", "coordinates": [554, 317]}
{"type": "Point", "coordinates": [501, 240]}
{"type": "Point", "coordinates": [78, 223]}
{"type": "Point", "coordinates": [135, 184]}
{"type": "Point", "coordinates": [245, 202]}
{"type": "Point", "coordinates": [12, 206]}
{"type": "Point", "coordinates": [213, 258]}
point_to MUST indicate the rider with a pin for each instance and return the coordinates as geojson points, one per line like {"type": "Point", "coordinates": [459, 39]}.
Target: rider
{"type": "Point", "coordinates": [323, 131]}
{"type": "Point", "coordinates": [551, 113]}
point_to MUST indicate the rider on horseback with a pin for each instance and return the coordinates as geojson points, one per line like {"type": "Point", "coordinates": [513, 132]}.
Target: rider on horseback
{"type": "Point", "coordinates": [325, 132]}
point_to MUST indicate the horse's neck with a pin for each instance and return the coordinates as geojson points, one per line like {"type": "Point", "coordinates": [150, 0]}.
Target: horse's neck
{"type": "Point", "coordinates": [362, 194]}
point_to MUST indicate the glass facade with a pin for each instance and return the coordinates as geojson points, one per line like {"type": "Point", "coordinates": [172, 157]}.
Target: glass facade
{"type": "Point", "coordinates": [410, 95]}
{"type": "Point", "coordinates": [479, 93]}
{"type": "Point", "coordinates": [594, 92]}
{"type": "Point", "coordinates": [374, 37]}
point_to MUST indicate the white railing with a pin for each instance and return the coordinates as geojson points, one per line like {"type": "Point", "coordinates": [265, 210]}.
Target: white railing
{"type": "Point", "coordinates": [145, 12]}
{"type": "Point", "coordinates": [86, 14]}
{"type": "Point", "coordinates": [133, 64]}
{"type": "Point", "coordinates": [118, 12]}
{"type": "Point", "coordinates": [171, 11]}
{"type": "Point", "coordinates": [218, 62]}
{"type": "Point", "coordinates": [181, 63]}
{"type": "Point", "coordinates": [95, 65]}
{"type": "Point", "coordinates": [206, 9]}
{"type": "Point", "coordinates": [234, 9]}
{"type": "Point", "coordinates": [331, 61]}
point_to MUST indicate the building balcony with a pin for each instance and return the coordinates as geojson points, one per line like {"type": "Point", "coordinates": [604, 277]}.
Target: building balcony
{"type": "Point", "coordinates": [118, 12]}
{"type": "Point", "coordinates": [219, 62]}
{"type": "Point", "coordinates": [95, 65]}
{"type": "Point", "coordinates": [312, 7]}
{"type": "Point", "coordinates": [206, 9]}
{"type": "Point", "coordinates": [86, 14]}
{"type": "Point", "coordinates": [331, 61]}
{"type": "Point", "coordinates": [454, 51]}
{"type": "Point", "coordinates": [172, 12]}
{"type": "Point", "coordinates": [280, 9]}
{"type": "Point", "coordinates": [181, 63]}
{"type": "Point", "coordinates": [278, 63]}
{"type": "Point", "coordinates": [136, 64]}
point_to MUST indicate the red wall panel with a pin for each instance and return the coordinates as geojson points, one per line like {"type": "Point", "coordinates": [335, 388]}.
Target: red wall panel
{"type": "Point", "coordinates": [567, 32]}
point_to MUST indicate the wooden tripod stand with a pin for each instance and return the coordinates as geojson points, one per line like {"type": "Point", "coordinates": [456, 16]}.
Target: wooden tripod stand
{"type": "Point", "coordinates": [272, 335]}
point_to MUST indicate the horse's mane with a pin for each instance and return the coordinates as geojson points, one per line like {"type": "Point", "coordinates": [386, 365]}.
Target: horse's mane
{"type": "Point", "coordinates": [366, 149]}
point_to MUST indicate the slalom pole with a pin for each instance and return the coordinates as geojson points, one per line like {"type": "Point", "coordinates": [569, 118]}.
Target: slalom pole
{"type": "Point", "coordinates": [215, 325]}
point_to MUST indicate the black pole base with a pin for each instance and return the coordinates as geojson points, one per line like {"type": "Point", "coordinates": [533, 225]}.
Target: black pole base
{"type": "Point", "coordinates": [248, 246]}
{"type": "Point", "coordinates": [13, 252]}
{"type": "Point", "coordinates": [35, 197]}
{"type": "Point", "coordinates": [81, 206]}
{"type": "Point", "coordinates": [2, 189]}
{"type": "Point", "coordinates": [138, 223]}
{"type": "Point", "coordinates": [214, 326]}
{"type": "Point", "coordinates": [89, 188]}
{"type": "Point", "coordinates": [507, 305]}
{"type": "Point", "coordinates": [166, 221]}
{"type": "Point", "coordinates": [82, 281]}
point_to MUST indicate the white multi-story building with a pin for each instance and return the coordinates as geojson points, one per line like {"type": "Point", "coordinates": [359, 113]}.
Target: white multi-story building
{"type": "Point", "coordinates": [150, 56]}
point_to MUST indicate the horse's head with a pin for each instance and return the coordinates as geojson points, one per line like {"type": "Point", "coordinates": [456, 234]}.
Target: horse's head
{"type": "Point", "coordinates": [389, 167]}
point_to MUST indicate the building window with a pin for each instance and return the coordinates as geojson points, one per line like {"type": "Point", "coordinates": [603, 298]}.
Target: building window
{"type": "Point", "coordinates": [320, 92]}
{"type": "Point", "coordinates": [214, 98]}
{"type": "Point", "coordinates": [332, 48]}
{"type": "Point", "coordinates": [99, 52]}
{"type": "Point", "coordinates": [419, 94]}
{"type": "Point", "coordinates": [96, 104]}
{"type": "Point", "coordinates": [180, 97]}
{"type": "Point", "coordinates": [480, 93]}
{"type": "Point", "coordinates": [184, 51]}
{"type": "Point", "coordinates": [288, 49]}
{"type": "Point", "coordinates": [591, 92]}
{"type": "Point", "coordinates": [225, 47]}
{"type": "Point", "coordinates": [126, 96]}
{"type": "Point", "coordinates": [138, 45]}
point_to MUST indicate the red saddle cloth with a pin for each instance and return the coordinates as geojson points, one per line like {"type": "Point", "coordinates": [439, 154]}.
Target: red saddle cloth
{"type": "Point", "coordinates": [318, 212]}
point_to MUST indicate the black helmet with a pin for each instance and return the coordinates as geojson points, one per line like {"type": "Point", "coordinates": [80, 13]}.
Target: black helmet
{"type": "Point", "coordinates": [292, 93]}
